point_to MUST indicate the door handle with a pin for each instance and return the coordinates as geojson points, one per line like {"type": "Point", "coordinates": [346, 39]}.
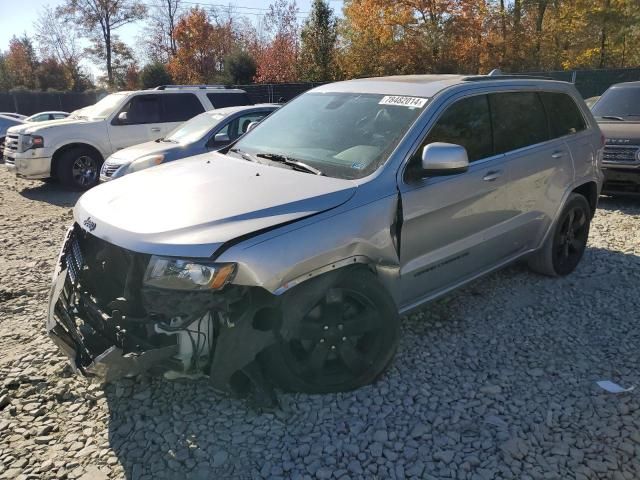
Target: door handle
{"type": "Point", "coordinates": [492, 175]}
{"type": "Point", "coordinates": [155, 129]}
{"type": "Point", "coordinates": [558, 154]}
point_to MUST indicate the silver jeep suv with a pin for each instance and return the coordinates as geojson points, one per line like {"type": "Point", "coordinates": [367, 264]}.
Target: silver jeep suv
{"type": "Point", "coordinates": [289, 256]}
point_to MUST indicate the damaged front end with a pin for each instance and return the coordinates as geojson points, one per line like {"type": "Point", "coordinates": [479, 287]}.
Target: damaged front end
{"type": "Point", "coordinates": [108, 314]}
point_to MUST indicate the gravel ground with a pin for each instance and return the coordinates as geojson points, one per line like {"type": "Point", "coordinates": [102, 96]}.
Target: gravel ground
{"type": "Point", "coordinates": [494, 381]}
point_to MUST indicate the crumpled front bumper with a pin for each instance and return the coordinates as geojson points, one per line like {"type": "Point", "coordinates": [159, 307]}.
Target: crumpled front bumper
{"type": "Point", "coordinates": [75, 322]}
{"type": "Point", "coordinates": [64, 330]}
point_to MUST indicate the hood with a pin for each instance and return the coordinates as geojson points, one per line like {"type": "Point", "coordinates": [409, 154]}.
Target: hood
{"type": "Point", "coordinates": [192, 207]}
{"type": "Point", "coordinates": [621, 131]}
{"type": "Point", "coordinates": [39, 127]}
{"type": "Point", "coordinates": [129, 154]}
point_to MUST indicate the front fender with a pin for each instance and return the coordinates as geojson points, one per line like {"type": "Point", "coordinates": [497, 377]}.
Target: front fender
{"type": "Point", "coordinates": [291, 255]}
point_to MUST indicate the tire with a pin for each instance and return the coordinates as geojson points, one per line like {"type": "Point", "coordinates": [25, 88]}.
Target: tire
{"type": "Point", "coordinates": [79, 168]}
{"type": "Point", "coordinates": [344, 341]}
{"type": "Point", "coordinates": [563, 249]}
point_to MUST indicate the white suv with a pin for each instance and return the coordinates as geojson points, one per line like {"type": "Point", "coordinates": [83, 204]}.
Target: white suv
{"type": "Point", "coordinates": [72, 150]}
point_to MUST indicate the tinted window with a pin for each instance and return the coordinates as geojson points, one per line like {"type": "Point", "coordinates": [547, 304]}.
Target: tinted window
{"type": "Point", "coordinates": [179, 107]}
{"type": "Point", "coordinates": [228, 99]}
{"type": "Point", "coordinates": [518, 120]}
{"type": "Point", "coordinates": [619, 101]}
{"type": "Point", "coordinates": [237, 127]}
{"type": "Point", "coordinates": [564, 116]}
{"type": "Point", "coordinates": [143, 109]}
{"type": "Point", "coordinates": [465, 123]}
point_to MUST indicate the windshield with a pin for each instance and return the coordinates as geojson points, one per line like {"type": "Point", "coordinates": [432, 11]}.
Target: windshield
{"type": "Point", "coordinates": [195, 128]}
{"type": "Point", "coordinates": [618, 102]}
{"type": "Point", "coordinates": [344, 135]}
{"type": "Point", "coordinates": [103, 108]}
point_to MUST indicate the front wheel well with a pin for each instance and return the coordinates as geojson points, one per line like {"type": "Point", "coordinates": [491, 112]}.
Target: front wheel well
{"type": "Point", "coordinates": [589, 191]}
{"type": "Point", "coordinates": [65, 148]}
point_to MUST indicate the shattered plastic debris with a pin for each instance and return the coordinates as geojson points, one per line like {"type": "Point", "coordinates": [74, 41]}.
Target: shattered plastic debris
{"type": "Point", "coordinates": [613, 387]}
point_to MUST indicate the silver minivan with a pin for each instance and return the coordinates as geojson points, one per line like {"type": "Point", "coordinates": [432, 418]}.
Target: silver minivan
{"type": "Point", "coordinates": [289, 256]}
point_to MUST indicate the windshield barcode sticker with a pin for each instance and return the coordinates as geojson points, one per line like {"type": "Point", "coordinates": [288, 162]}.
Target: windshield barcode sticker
{"type": "Point", "coordinates": [403, 101]}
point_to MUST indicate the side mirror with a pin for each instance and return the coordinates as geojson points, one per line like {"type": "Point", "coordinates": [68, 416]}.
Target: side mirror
{"type": "Point", "coordinates": [122, 117]}
{"type": "Point", "coordinates": [221, 138]}
{"type": "Point", "coordinates": [251, 126]}
{"type": "Point", "coordinates": [444, 159]}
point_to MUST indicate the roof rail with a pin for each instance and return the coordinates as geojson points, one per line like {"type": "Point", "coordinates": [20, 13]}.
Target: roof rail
{"type": "Point", "coordinates": [478, 78]}
{"type": "Point", "coordinates": [201, 87]}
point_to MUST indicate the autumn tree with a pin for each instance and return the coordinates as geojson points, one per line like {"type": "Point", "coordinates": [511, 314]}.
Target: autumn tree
{"type": "Point", "coordinates": [202, 47]}
{"type": "Point", "coordinates": [98, 20]}
{"type": "Point", "coordinates": [318, 43]}
{"type": "Point", "coordinates": [277, 59]}
{"type": "Point", "coordinates": [21, 62]}
{"type": "Point", "coordinates": [52, 75]}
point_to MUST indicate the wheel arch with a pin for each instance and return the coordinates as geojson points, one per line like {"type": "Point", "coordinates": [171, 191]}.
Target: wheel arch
{"type": "Point", "coordinates": [57, 155]}
{"type": "Point", "coordinates": [589, 190]}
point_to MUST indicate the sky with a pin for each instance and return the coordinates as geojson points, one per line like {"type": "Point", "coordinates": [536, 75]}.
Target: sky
{"type": "Point", "coordinates": [18, 17]}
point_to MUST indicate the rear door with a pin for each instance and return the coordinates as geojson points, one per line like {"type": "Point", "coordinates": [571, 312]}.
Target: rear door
{"type": "Point", "coordinates": [539, 165]}
{"type": "Point", "coordinates": [176, 109]}
{"type": "Point", "coordinates": [453, 226]}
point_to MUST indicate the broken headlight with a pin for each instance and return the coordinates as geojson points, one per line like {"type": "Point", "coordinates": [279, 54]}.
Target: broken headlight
{"type": "Point", "coordinates": [180, 274]}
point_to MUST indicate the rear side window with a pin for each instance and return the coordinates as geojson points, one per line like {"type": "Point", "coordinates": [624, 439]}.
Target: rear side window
{"type": "Point", "coordinates": [518, 120]}
{"type": "Point", "coordinates": [178, 107]}
{"type": "Point", "coordinates": [564, 116]}
{"type": "Point", "coordinates": [467, 123]}
{"type": "Point", "coordinates": [228, 99]}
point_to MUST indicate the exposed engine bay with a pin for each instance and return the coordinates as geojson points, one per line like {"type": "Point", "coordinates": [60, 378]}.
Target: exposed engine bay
{"type": "Point", "coordinates": [111, 324]}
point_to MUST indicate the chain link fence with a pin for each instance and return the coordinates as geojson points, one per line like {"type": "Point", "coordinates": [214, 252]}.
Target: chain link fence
{"type": "Point", "coordinates": [588, 82]}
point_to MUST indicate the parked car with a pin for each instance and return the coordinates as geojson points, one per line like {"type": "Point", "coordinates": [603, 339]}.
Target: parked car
{"type": "Point", "coordinates": [293, 251]}
{"type": "Point", "coordinates": [5, 123]}
{"type": "Point", "coordinates": [208, 131]}
{"type": "Point", "coordinates": [44, 116]}
{"type": "Point", "coordinates": [591, 101]}
{"type": "Point", "coordinates": [16, 116]}
{"type": "Point", "coordinates": [73, 150]}
{"type": "Point", "coordinates": [618, 114]}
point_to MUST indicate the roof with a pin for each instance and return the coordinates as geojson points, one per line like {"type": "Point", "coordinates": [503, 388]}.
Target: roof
{"type": "Point", "coordinates": [419, 85]}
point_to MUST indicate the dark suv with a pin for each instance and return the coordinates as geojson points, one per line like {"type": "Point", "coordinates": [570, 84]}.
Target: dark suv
{"type": "Point", "coordinates": [618, 114]}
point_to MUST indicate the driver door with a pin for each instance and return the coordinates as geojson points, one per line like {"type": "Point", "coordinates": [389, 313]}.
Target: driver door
{"type": "Point", "coordinates": [453, 226]}
{"type": "Point", "coordinates": [142, 123]}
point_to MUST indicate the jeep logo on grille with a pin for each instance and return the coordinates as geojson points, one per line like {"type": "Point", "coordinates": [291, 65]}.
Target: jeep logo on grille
{"type": "Point", "coordinates": [90, 224]}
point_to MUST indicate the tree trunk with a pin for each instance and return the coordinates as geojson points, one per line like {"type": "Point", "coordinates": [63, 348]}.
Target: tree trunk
{"type": "Point", "coordinates": [603, 34]}
{"type": "Point", "coordinates": [542, 8]}
{"type": "Point", "coordinates": [107, 47]}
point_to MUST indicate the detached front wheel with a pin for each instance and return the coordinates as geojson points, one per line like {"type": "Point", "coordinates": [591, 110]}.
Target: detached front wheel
{"type": "Point", "coordinates": [343, 341]}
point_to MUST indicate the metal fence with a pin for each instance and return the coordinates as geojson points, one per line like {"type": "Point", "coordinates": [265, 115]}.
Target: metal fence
{"type": "Point", "coordinates": [588, 82]}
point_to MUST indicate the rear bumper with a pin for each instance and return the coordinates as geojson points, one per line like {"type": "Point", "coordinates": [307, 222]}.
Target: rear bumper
{"type": "Point", "coordinates": [621, 181]}
{"type": "Point", "coordinates": [30, 168]}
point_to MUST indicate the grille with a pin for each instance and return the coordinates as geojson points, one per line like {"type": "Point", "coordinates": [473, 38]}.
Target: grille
{"type": "Point", "coordinates": [11, 142]}
{"type": "Point", "coordinates": [109, 169]}
{"type": "Point", "coordinates": [621, 154]}
{"type": "Point", "coordinates": [73, 258]}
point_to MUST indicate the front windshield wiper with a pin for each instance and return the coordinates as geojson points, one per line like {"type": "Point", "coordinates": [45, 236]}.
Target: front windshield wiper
{"type": "Point", "coordinates": [276, 157]}
{"type": "Point", "coordinates": [612, 117]}
{"type": "Point", "coordinates": [165, 140]}
{"type": "Point", "coordinates": [243, 154]}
